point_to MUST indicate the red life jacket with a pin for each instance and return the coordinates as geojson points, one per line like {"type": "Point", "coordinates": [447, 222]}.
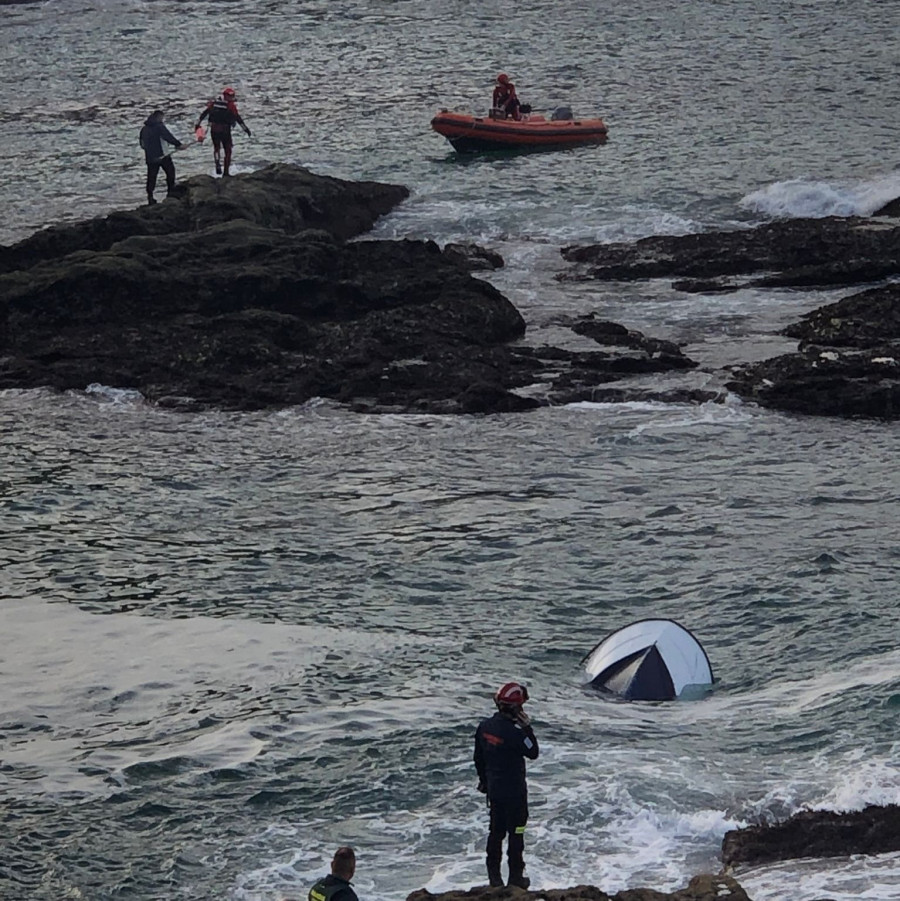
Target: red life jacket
{"type": "Point", "coordinates": [503, 93]}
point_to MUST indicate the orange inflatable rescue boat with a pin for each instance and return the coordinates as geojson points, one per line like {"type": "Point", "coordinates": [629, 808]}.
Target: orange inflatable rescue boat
{"type": "Point", "coordinates": [470, 134]}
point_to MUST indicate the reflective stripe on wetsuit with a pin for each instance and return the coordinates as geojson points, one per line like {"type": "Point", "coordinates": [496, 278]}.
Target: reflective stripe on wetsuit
{"type": "Point", "coordinates": [325, 890]}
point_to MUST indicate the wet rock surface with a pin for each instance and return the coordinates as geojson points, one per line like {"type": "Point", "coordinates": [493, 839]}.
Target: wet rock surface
{"type": "Point", "coordinates": [245, 293]}
{"type": "Point", "coordinates": [787, 253]}
{"type": "Point", "coordinates": [816, 833]}
{"type": "Point", "coordinates": [251, 293]}
{"type": "Point", "coordinates": [847, 361]}
{"type": "Point", "coordinates": [705, 887]}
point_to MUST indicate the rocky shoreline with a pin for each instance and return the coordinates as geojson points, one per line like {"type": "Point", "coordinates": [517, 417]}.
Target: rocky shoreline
{"type": "Point", "coordinates": [246, 293]}
{"type": "Point", "coordinates": [810, 833]}
{"type": "Point", "coordinates": [847, 362]}
{"type": "Point", "coordinates": [250, 293]}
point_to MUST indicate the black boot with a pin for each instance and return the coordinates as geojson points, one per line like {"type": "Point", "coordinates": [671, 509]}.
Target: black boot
{"type": "Point", "coordinates": [150, 200]}
{"type": "Point", "coordinates": [519, 880]}
{"type": "Point", "coordinates": [494, 877]}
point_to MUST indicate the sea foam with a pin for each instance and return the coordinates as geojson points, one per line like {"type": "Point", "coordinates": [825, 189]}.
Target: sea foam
{"type": "Point", "coordinates": [811, 198]}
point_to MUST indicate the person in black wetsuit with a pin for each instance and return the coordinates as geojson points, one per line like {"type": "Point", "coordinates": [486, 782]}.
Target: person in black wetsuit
{"type": "Point", "coordinates": [223, 116]}
{"type": "Point", "coordinates": [502, 742]}
{"type": "Point", "coordinates": [336, 886]}
{"type": "Point", "coordinates": [152, 135]}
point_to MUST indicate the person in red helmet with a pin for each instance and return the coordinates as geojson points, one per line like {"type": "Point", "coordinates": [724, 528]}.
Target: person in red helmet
{"type": "Point", "coordinates": [505, 103]}
{"type": "Point", "coordinates": [502, 743]}
{"type": "Point", "coordinates": [223, 116]}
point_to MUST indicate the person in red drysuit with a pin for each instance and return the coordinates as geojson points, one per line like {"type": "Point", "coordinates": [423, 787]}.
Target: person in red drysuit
{"type": "Point", "coordinates": [223, 115]}
{"type": "Point", "coordinates": [505, 102]}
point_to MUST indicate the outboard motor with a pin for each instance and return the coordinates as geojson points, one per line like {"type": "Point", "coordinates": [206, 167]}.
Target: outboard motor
{"type": "Point", "coordinates": [562, 114]}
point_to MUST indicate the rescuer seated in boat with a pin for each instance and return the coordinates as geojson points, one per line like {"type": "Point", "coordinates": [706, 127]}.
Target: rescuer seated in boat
{"type": "Point", "coordinates": [505, 103]}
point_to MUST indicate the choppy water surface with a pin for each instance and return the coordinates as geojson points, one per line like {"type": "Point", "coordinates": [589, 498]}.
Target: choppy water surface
{"type": "Point", "coordinates": [234, 642]}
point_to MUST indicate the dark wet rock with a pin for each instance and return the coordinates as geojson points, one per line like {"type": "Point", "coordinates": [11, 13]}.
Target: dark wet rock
{"type": "Point", "coordinates": [705, 887]}
{"type": "Point", "coordinates": [274, 321]}
{"type": "Point", "coordinates": [847, 363]}
{"type": "Point", "coordinates": [244, 293]}
{"type": "Point", "coordinates": [848, 360]}
{"type": "Point", "coordinates": [280, 197]}
{"type": "Point", "coordinates": [705, 286]}
{"type": "Point", "coordinates": [791, 252]}
{"type": "Point", "coordinates": [654, 355]}
{"type": "Point", "coordinates": [571, 376]}
{"type": "Point", "coordinates": [621, 394]}
{"type": "Point", "coordinates": [868, 319]}
{"type": "Point", "coordinates": [474, 257]}
{"type": "Point", "coordinates": [892, 209]}
{"type": "Point", "coordinates": [816, 833]}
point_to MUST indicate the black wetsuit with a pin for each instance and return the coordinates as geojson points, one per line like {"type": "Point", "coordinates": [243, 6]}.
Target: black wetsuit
{"type": "Point", "coordinates": [152, 136]}
{"type": "Point", "coordinates": [332, 888]}
{"type": "Point", "coordinates": [501, 746]}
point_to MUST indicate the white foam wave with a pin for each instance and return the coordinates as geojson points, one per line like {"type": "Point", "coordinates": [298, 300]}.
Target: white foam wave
{"type": "Point", "coordinates": [810, 198]}
{"type": "Point", "coordinates": [531, 220]}
{"type": "Point", "coordinates": [124, 397]}
{"type": "Point", "coordinates": [667, 417]}
{"type": "Point", "coordinates": [863, 779]}
{"type": "Point", "coordinates": [636, 222]}
{"type": "Point", "coordinates": [840, 879]}
{"type": "Point", "coordinates": [791, 698]}
{"type": "Point", "coordinates": [785, 699]}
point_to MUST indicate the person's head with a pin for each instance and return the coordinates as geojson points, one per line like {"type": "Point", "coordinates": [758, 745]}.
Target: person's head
{"type": "Point", "coordinates": [228, 93]}
{"type": "Point", "coordinates": [157, 115]}
{"type": "Point", "coordinates": [510, 697]}
{"type": "Point", "coordinates": [502, 78]}
{"type": "Point", "coordinates": [344, 863]}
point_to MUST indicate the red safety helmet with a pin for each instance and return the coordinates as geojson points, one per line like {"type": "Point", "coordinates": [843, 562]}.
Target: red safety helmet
{"type": "Point", "coordinates": [511, 695]}
{"type": "Point", "coordinates": [228, 93]}
{"type": "Point", "coordinates": [503, 78]}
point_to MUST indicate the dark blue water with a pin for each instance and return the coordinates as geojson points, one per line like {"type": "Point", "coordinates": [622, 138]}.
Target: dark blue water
{"type": "Point", "coordinates": [233, 642]}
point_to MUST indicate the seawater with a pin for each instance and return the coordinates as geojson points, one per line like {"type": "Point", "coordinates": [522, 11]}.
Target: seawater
{"type": "Point", "coordinates": [235, 641]}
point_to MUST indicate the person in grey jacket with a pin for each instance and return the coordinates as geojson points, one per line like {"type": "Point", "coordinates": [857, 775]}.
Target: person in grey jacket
{"type": "Point", "coordinates": [152, 136]}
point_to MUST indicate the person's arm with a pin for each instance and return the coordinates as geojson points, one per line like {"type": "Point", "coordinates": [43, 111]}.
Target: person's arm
{"type": "Point", "coordinates": [202, 116]}
{"type": "Point", "coordinates": [240, 121]}
{"type": "Point", "coordinates": [530, 744]}
{"type": "Point", "coordinates": [167, 136]}
{"type": "Point", "coordinates": [165, 133]}
{"type": "Point", "coordinates": [478, 758]}
{"type": "Point", "coordinates": [529, 740]}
